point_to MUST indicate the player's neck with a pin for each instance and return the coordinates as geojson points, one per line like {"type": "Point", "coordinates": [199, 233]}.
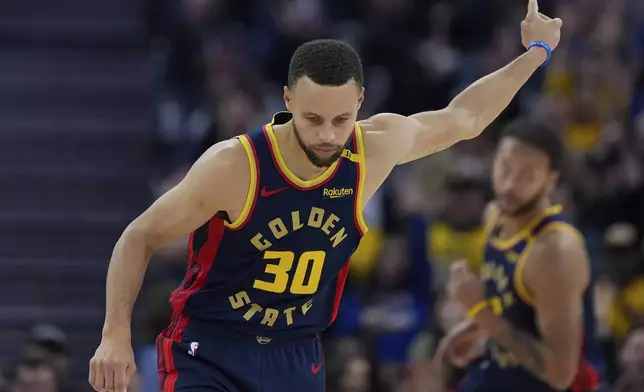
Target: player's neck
{"type": "Point", "coordinates": [514, 224]}
{"type": "Point", "coordinates": [293, 155]}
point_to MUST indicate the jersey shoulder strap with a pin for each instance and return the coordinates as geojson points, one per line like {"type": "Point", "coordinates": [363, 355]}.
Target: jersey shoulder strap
{"type": "Point", "coordinates": [555, 220]}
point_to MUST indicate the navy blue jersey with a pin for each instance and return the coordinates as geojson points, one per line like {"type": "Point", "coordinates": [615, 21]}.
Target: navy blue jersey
{"type": "Point", "coordinates": [502, 272]}
{"type": "Point", "coordinates": [281, 266]}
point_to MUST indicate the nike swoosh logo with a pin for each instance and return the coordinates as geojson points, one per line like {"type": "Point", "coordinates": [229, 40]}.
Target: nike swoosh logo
{"type": "Point", "coordinates": [315, 369]}
{"type": "Point", "coordinates": [266, 193]}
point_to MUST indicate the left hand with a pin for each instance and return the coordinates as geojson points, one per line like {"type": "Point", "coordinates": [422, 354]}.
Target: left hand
{"type": "Point", "coordinates": [538, 27]}
{"type": "Point", "coordinates": [465, 287]}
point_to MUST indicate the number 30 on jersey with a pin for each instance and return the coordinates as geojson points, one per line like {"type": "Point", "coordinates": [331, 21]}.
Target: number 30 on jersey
{"type": "Point", "coordinates": [311, 260]}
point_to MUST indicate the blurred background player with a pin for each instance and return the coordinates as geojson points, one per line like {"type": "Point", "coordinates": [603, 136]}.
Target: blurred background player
{"type": "Point", "coordinates": [533, 300]}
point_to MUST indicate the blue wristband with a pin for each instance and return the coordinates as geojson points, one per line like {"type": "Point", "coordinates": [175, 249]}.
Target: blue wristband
{"type": "Point", "coordinates": [543, 45]}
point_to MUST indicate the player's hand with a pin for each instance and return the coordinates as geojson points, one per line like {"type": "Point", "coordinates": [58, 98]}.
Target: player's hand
{"type": "Point", "coordinates": [538, 27]}
{"type": "Point", "coordinates": [112, 367]}
{"type": "Point", "coordinates": [461, 345]}
{"type": "Point", "coordinates": [465, 287]}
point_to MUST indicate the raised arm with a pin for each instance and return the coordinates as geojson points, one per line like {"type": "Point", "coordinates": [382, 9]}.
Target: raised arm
{"type": "Point", "coordinates": [181, 210]}
{"type": "Point", "coordinates": [469, 113]}
{"type": "Point", "coordinates": [556, 275]}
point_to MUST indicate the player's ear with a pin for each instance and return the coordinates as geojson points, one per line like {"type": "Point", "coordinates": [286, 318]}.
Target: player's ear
{"type": "Point", "coordinates": [360, 97]}
{"type": "Point", "coordinates": [553, 180]}
{"type": "Point", "coordinates": [288, 98]}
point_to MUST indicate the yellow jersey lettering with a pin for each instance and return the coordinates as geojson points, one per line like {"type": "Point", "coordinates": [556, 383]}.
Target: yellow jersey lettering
{"type": "Point", "coordinates": [288, 312]}
{"type": "Point", "coordinates": [496, 305]}
{"type": "Point", "coordinates": [254, 308]}
{"type": "Point", "coordinates": [496, 355]}
{"type": "Point", "coordinates": [279, 272]}
{"type": "Point", "coordinates": [334, 193]}
{"type": "Point", "coordinates": [329, 224]}
{"type": "Point", "coordinates": [278, 228]}
{"type": "Point", "coordinates": [503, 358]}
{"type": "Point", "coordinates": [295, 217]}
{"type": "Point", "coordinates": [239, 300]}
{"type": "Point", "coordinates": [270, 316]}
{"type": "Point", "coordinates": [500, 278]}
{"type": "Point", "coordinates": [298, 286]}
{"type": "Point", "coordinates": [316, 217]}
{"type": "Point", "coordinates": [486, 270]}
{"type": "Point", "coordinates": [338, 237]}
{"type": "Point", "coordinates": [307, 306]}
{"type": "Point", "coordinates": [260, 243]}
{"type": "Point", "coordinates": [508, 300]}
{"type": "Point", "coordinates": [512, 257]}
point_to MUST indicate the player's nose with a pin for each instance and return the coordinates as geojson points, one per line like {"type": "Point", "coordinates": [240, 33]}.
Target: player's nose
{"type": "Point", "coordinates": [326, 134]}
{"type": "Point", "coordinates": [507, 185]}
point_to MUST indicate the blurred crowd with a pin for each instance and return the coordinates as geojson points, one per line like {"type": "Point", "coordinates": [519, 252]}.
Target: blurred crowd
{"type": "Point", "coordinates": [219, 67]}
{"type": "Point", "coordinates": [42, 365]}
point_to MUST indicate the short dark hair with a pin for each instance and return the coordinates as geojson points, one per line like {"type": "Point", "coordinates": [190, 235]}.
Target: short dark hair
{"type": "Point", "coordinates": [540, 136]}
{"type": "Point", "coordinates": [327, 62]}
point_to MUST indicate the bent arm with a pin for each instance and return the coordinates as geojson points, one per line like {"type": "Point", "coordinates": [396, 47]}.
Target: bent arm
{"type": "Point", "coordinates": [466, 116]}
{"type": "Point", "coordinates": [557, 277]}
{"type": "Point", "coordinates": [178, 212]}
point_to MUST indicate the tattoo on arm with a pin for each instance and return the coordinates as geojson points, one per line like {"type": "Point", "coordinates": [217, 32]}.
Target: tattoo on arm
{"type": "Point", "coordinates": [525, 348]}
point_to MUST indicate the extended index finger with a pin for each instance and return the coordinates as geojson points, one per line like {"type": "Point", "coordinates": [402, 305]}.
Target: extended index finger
{"type": "Point", "coordinates": [533, 9]}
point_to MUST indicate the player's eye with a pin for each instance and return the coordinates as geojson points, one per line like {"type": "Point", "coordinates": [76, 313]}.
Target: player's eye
{"type": "Point", "coordinates": [525, 176]}
{"type": "Point", "coordinates": [506, 169]}
{"type": "Point", "coordinates": [340, 120]}
{"type": "Point", "coordinates": [314, 120]}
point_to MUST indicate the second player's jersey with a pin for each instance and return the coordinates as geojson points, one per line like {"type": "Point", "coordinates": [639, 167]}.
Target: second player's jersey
{"type": "Point", "coordinates": [502, 272]}
{"type": "Point", "coordinates": [281, 266]}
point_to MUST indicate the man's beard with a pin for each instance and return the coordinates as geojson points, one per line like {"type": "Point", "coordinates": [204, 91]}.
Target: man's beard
{"type": "Point", "coordinates": [313, 157]}
{"type": "Point", "coordinates": [526, 207]}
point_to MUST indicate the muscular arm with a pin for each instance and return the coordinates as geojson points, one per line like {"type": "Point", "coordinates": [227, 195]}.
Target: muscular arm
{"type": "Point", "coordinates": [466, 116]}
{"type": "Point", "coordinates": [557, 274]}
{"type": "Point", "coordinates": [181, 210]}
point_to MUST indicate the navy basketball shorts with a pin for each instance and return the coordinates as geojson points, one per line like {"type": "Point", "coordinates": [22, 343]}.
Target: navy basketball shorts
{"type": "Point", "coordinates": [209, 360]}
{"type": "Point", "coordinates": [483, 375]}
{"type": "Point", "coordinates": [486, 375]}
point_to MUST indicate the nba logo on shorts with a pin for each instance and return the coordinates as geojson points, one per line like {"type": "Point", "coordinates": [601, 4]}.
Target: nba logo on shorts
{"type": "Point", "coordinates": [193, 348]}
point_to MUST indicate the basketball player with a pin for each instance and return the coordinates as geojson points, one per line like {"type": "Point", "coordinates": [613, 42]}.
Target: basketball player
{"type": "Point", "coordinates": [275, 215]}
{"type": "Point", "coordinates": [533, 301]}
